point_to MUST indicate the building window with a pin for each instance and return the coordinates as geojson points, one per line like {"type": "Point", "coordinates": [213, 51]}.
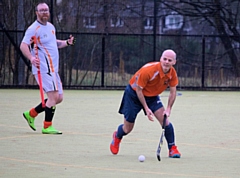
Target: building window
{"type": "Point", "coordinates": [116, 22]}
{"type": "Point", "coordinates": [89, 22]}
{"type": "Point", "coordinates": [174, 21]}
{"type": "Point", "coordinates": [148, 23]}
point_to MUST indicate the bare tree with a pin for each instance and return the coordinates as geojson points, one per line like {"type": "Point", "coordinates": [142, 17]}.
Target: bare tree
{"type": "Point", "coordinates": [20, 25]}
{"type": "Point", "coordinates": [220, 15]}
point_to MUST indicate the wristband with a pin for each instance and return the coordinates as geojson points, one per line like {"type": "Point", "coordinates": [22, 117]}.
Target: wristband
{"type": "Point", "coordinates": [67, 43]}
{"type": "Point", "coordinates": [73, 42]}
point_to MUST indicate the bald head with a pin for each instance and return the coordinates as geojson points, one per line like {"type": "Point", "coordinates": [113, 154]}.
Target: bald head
{"type": "Point", "coordinates": [169, 54]}
{"type": "Point", "coordinates": [168, 59]}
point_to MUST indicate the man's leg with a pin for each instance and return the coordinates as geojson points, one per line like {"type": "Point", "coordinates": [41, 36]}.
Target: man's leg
{"type": "Point", "coordinates": [169, 134]}
{"type": "Point", "coordinates": [53, 97]}
{"type": "Point", "coordinates": [122, 130]}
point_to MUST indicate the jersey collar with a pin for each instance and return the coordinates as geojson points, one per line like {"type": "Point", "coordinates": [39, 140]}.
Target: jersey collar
{"type": "Point", "coordinates": [161, 73]}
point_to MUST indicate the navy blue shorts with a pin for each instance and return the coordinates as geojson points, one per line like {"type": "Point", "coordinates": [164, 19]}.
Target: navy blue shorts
{"type": "Point", "coordinates": [131, 106]}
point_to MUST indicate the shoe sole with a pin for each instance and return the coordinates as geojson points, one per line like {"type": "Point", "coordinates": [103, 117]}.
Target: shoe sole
{"type": "Point", "coordinates": [175, 156]}
{"type": "Point", "coordinates": [57, 133]}
{"type": "Point", "coordinates": [28, 123]}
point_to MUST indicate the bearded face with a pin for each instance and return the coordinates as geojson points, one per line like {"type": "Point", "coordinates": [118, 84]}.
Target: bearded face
{"type": "Point", "coordinates": [42, 13]}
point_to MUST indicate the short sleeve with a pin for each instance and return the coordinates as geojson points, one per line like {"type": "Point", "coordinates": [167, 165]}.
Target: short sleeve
{"type": "Point", "coordinates": [142, 79]}
{"type": "Point", "coordinates": [28, 35]}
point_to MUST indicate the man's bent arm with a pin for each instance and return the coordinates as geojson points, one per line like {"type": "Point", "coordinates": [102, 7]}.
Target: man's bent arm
{"type": "Point", "coordinates": [171, 98]}
{"type": "Point", "coordinates": [25, 50]}
{"type": "Point", "coordinates": [141, 97]}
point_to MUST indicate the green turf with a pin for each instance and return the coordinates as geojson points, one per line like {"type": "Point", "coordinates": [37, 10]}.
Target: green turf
{"type": "Point", "coordinates": [206, 126]}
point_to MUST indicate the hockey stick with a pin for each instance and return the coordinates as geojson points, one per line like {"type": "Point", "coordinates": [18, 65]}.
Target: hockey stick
{"type": "Point", "coordinates": [161, 138]}
{"type": "Point", "coordinates": [39, 74]}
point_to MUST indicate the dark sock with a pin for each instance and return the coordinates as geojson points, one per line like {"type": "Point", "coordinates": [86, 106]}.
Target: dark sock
{"type": "Point", "coordinates": [120, 132]}
{"type": "Point", "coordinates": [39, 108]}
{"type": "Point", "coordinates": [49, 112]}
{"type": "Point", "coordinates": [169, 135]}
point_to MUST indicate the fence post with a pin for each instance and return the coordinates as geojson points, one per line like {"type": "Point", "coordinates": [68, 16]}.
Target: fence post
{"type": "Point", "coordinates": [154, 29]}
{"type": "Point", "coordinates": [103, 60]}
{"type": "Point", "coordinates": [51, 12]}
{"type": "Point", "coordinates": [203, 61]}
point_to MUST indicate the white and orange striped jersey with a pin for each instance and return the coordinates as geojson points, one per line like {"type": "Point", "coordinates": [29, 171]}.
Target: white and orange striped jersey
{"type": "Point", "coordinates": [47, 46]}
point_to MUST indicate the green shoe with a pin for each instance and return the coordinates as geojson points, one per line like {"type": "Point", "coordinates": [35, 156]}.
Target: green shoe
{"type": "Point", "coordinates": [29, 119]}
{"type": "Point", "coordinates": [51, 130]}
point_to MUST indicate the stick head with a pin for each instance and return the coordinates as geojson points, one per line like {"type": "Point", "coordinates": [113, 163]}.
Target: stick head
{"type": "Point", "coordinates": [158, 152]}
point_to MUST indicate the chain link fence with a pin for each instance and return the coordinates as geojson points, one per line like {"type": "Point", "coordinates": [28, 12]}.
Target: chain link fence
{"type": "Point", "coordinates": [109, 61]}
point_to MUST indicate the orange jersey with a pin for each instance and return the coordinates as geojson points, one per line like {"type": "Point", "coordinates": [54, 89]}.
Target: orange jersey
{"type": "Point", "coordinates": [152, 79]}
